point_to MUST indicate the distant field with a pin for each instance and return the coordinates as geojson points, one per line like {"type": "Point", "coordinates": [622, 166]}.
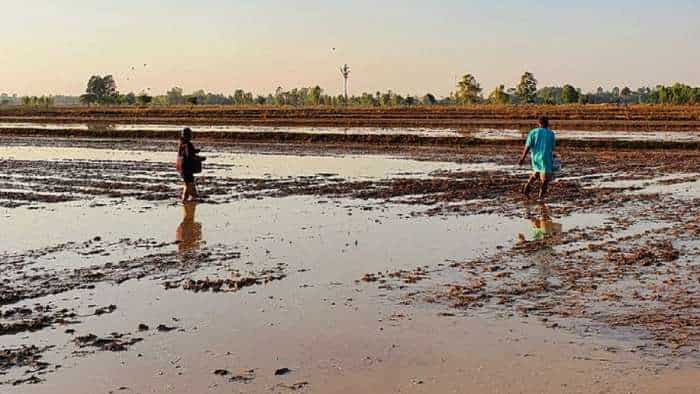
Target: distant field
{"type": "Point", "coordinates": [592, 117]}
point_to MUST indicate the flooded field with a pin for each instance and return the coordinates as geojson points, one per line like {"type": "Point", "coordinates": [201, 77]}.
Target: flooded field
{"type": "Point", "coordinates": [679, 136]}
{"type": "Point", "coordinates": [339, 270]}
{"type": "Point", "coordinates": [463, 132]}
{"type": "Point", "coordinates": [233, 129]}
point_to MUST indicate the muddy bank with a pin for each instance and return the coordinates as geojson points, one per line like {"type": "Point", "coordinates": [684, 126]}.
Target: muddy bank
{"type": "Point", "coordinates": [589, 116]}
{"type": "Point", "coordinates": [385, 140]}
{"type": "Point", "coordinates": [51, 181]}
{"type": "Point", "coordinates": [324, 275]}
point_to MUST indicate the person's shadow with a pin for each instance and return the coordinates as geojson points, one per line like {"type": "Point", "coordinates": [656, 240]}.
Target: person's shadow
{"type": "Point", "coordinates": [189, 232]}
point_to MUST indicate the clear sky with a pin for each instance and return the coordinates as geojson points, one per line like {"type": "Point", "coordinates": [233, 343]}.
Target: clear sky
{"type": "Point", "coordinates": [53, 46]}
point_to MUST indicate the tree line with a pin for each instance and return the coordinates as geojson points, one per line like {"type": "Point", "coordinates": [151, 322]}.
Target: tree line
{"type": "Point", "coordinates": [526, 92]}
{"type": "Point", "coordinates": [102, 90]}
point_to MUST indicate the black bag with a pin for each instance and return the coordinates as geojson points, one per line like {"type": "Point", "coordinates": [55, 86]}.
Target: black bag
{"type": "Point", "coordinates": [197, 166]}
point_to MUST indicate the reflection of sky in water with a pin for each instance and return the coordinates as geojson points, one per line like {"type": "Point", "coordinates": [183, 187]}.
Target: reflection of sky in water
{"type": "Point", "coordinates": [485, 133]}
{"type": "Point", "coordinates": [684, 187]}
{"type": "Point", "coordinates": [317, 234]}
{"type": "Point", "coordinates": [250, 165]}
{"type": "Point", "coordinates": [426, 132]}
{"type": "Point", "coordinates": [498, 134]}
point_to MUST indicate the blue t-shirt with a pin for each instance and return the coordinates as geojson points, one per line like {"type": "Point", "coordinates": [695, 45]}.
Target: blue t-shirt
{"type": "Point", "coordinates": [541, 143]}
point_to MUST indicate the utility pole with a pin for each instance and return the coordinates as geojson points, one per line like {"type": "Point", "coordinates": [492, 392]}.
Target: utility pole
{"type": "Point", "coordinates": [345, 72]}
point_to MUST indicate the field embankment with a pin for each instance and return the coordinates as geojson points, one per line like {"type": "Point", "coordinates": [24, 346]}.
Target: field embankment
{"type": "Point", "coordinates": [592, 117]}
{"type": "Point", "coordinates": [380, 141]}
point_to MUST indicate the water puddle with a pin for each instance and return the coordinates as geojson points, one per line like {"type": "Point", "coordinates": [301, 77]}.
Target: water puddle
{"type": "Point", "coordinates": [255, 286]}
{"type": "Point", "coordinates": [417, 131]}
{"type": "Point", "coordinates": [686, 185]}
{"type": "Point", "coordinates": [678, 136]}
{"type": "Point", "coordinates": [253, 165]}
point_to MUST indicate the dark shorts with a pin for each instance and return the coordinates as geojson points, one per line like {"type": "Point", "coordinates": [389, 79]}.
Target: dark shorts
{"type": "Point", "coordinates": [188, 177]}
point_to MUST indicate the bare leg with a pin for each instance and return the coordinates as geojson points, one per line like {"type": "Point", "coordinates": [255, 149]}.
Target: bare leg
{"type": "Point", "coordinates": [528, 185]}
{"type": "Point", "coordinates": [544, 184]}
{"type": "Point", "coordinates": [189, 191]}
{"type": "Point", "coordinates": [185, 192]}
{"type": "Point", "coordinates": [193, 191]}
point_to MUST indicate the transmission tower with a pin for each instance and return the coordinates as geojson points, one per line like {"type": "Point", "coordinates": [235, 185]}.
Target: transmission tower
{"type": "Point", "coordinates": [345, 72]}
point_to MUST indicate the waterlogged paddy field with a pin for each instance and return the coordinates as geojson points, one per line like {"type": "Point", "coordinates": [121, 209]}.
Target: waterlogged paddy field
{"type": "Point", "coordinates": [479, 133]}
{"type": "Point", "coordinates": [635, 135]}
{"type": "Point", "coordinates": [425, 132]}
{"type": "Point", "coordinates": [342, 271]}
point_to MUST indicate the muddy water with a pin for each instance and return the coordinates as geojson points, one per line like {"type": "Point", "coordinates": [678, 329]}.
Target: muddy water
{"type": "Point", "coordinates": [679, 136]}
{"type": "Point", "coordinates": [334, 332]}
{"type": "Point", "coordinates": [685, 185]}
{"type": "Point", "coordinates": [485, 133]}
{"type": "Point", "coordinates": [316, 322]}
{"type": "Point", "coordinates": [236, 129]}
{"type": "Point", "coordinates": [253, 165]}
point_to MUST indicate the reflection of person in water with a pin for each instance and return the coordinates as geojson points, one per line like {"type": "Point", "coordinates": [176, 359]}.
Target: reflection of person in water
{"type": "Point", "coordinates": [543, 226]}
{"type": "Point", "coordinates": [189, 232]}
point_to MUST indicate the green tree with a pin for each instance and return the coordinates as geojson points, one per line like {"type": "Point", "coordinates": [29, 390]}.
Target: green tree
{"type": "Point", "coordinates": [200, 97]}
{"type": "Point", "coordinates": [144, 98]}
{"type": "Point", "coordinates": [385, 99]}
{"type": "Point", "coordinates": [569, 95]}
{"type": "Point", "coordinates": [527, 88]}
{"type": "Point", "coordinates": [88, 99]}
{"type": "Point", "coordinates": [174, 96]}
{"type": "Point", "coordinates": [315, 94]}
{"type": "Point", "coordinates": [102, 90]}
{"type": "Point", "coordinates": [239, 97]}
{"type": "Point", "coordinates": [499, 96]}
{"type": "Point", "coordinates": [396, 100]}
{"type": "Point", "coordinates": [129, 98]}
{"type": "Point", "coordinates": [429, 99]}
{"type": "Point", "coordinates": [468, 90]}
{"type": "Point", "coordinates": [549, 95]}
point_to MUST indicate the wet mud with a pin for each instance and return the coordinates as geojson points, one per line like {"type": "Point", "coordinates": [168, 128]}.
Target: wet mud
{"type": "Point", "coordinates": [633, 274]}
{"type": "Point", "coordinates": [588, 116]}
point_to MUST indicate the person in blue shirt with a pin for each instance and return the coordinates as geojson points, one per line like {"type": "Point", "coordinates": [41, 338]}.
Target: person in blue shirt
{"type": "Point", "coordinates": [540, 144]}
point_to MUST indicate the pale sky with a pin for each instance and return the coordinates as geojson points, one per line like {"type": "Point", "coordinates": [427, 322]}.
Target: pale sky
{"type": "Point", "coordinates": [411, 47]}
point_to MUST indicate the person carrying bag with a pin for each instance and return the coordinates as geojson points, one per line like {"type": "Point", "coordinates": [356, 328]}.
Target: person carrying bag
{"type": "Point", "coordinates": [187, 164]}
